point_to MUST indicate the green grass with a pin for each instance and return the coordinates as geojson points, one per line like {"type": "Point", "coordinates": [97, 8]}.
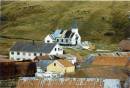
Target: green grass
{"type": "Point", "coordinates": [36, 19]}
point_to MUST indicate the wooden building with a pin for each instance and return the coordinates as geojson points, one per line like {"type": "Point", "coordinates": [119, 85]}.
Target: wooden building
{"type": "Point", "coordinates": [61, 66]}
{"type": "Point", "coordinates": [11, 69]}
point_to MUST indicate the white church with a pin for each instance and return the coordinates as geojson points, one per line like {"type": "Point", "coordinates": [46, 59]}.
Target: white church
{"type": "Point", "coordinates": [69, 37]}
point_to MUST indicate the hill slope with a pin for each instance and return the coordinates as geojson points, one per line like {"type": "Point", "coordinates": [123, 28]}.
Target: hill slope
{"type": "Point", "coordinates": [36, 19]}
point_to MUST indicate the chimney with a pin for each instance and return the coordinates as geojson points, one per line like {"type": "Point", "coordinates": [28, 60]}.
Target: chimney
{"type": "Point", "coordinates": [33, 42]}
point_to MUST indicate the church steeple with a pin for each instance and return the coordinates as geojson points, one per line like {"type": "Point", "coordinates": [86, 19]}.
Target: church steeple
{"type": "Point", "coordinates": [74, 26]}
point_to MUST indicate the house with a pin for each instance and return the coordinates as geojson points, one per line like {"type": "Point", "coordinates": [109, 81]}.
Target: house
{"type": "Point", "coordinates": [61, 66]}
{"type": "Point", "coordinates": [29, 50]}
{"type": "Point", "coordinates": [69, 83]}
{"type": "Point", "coordinates": [124, 45]}
{"type": "Point", "coordinates": [43, 61]}
{"type": "Point", "coordinates": [69, 37]}
{"type": "Point", "coordinates": [49, 39]}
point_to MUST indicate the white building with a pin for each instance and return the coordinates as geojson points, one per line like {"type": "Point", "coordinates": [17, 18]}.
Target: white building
{"type": "Point", "coordinates": [29, 50]}
{"type": "Point", "coordinates": [69, 37]}
{"type": "Point", "coordinates": [49, 39]}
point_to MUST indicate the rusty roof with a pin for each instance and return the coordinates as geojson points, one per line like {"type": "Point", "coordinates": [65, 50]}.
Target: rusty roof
{"type": "Point", "coordinates": [106, 72]}
{"type": "Point", "coordinates": [125, 44]}
{"type": "Point", "coordinates": [111, 60]}
{"type": "Point", "coordinates": [45, 57]}
{"type": "Point", "coordinates": [100, 72]}
{"type": "Point", "coordinates": [60, 83]}
{"type": "Point", "coordinates": [4, 59]}
{"type": "Point", "coordinates": [65, 62]}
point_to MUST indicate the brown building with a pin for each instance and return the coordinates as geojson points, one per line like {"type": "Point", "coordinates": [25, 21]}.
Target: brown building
{"type": "Point", "coordinates": [7, 68]}
{"type": "Point", "coordinates": [124, 45]}
{"type": "Point", "coordinates": [25, 68]}
{"type": "Point", "coordinates": [111, 60]}
{"type": "Point", "coordinates": [10, 69]}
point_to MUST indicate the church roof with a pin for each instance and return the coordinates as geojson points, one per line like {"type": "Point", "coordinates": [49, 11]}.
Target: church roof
{"type": "Point", "coordinates": [68, 33]}
{"type": "Point", "coordinates": [57, 33]}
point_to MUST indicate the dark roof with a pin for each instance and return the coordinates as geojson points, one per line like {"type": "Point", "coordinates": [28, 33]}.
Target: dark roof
{"type": "Point", "coordinates": [44, 63]}
{"type": "Point", "coordinates": [61, 31]}
{"type": "Point", "coordinates": [4, 59]}
{"type": "Point", "coordinates": [68, 33]}
{"type": "Point", "coordinates": [125, 44]}
{"type": "Point", "coordinates": [72, 35]}
{"type": "Point", "coordinates": [33, 47]}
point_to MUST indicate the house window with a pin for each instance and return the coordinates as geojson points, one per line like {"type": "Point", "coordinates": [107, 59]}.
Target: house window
{"type": "Point", "coordinates": [12, 52]}
{"type": "Point", "coordinates": [48, 41]}
{"type": "Point", "coordinates": [76, 38]}
{"type": "Point", "coordinates": [55, 49]}
{"type": "Point", "coordinates": [67, 40]}
{"type": "Point", "coordinates": [24, 53]}
{"type": "Point", "coordinates": [18, 58]}
{"type": "Point", "coordinates": [18, 53]}
{"type": "Point", "coordinates": [61, 40]}
{"type": "Point", "coordinates": [29, 54]}
{"type": "Point", "coordinates": [40, 54]}
{"type": "Point", "coordinates": [58, 49]}
{"type": "Point", "coordinates": [54, 64]}
{"type": "Point", "coordinates": [57, 40]}
{"type": "Point", "coordinates": [35, 54]}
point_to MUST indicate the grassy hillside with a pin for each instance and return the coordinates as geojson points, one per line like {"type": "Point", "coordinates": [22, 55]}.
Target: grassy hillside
{"type": "Point", "coordinates": [36, 19]}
